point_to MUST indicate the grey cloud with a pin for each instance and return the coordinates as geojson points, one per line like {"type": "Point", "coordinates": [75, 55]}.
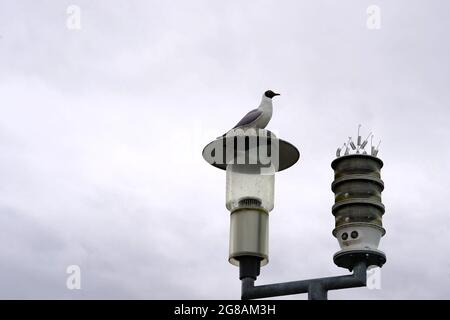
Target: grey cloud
{"type": "Point", "coordinates": [101, 132]}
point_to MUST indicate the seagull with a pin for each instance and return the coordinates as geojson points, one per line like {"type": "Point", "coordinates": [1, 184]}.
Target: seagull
{"type": "Point", "coordinates": [260, 117]}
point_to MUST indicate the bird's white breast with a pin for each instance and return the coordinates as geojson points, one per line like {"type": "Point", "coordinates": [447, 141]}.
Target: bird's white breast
{"type": "Point", "coordinates": [266, 108]}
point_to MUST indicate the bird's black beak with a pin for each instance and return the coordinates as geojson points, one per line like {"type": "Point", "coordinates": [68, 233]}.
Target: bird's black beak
{"type": "Point", "coordinates": [276, 94]}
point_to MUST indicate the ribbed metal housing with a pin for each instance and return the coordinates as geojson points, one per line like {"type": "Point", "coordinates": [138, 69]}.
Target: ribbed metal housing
{"type": "Point", "coordinates": [357, 187]}
{"type": "Point", "coordinates": [358, 210]}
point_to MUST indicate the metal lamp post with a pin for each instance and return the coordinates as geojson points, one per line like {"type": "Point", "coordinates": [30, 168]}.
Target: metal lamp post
{"type": "Point", "coordinates": [251, 159]}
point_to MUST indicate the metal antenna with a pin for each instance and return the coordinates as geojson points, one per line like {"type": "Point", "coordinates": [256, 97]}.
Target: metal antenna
{"type": "Point", "coordinates": [351, 143]}
{"type": "Point", "coordinates": [358, 146]}
{"type": "Point", "coordinates": [375, 152]}
{"type": "Point", "coordinates": [365, 141]}
{"type": "Point", "coordinates": [372, 148]}
{"type": "Point", "coordinates": [358, 142]}
{"type": "Point", "coordinates": [338, 151]}
{"type": "Point", "coordinates": [346, 149]}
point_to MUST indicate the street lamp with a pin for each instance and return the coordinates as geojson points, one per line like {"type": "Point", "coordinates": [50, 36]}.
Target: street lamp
{"type": "Point", "coordinates": [251, 159]}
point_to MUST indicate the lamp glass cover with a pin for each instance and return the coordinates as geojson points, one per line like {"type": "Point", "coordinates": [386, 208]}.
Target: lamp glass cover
{"type": "Point", "coordinates": [250, 184]}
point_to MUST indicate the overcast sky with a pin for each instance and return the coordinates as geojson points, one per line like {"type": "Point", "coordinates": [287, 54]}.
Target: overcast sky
{"type": "Point", "coordinates": [102, 128]}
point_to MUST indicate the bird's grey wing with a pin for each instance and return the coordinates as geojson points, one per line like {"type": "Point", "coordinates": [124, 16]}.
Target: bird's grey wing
{"type": "Point", "coordinates": [249, 118]}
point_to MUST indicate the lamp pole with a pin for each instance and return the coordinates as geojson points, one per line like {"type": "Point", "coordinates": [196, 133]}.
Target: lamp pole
{"type": "Point", "coordinates": [251, 158]}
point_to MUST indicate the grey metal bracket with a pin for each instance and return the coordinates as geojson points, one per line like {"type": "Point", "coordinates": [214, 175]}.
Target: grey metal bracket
{"type": "Point", "coordinates": [317, 289]}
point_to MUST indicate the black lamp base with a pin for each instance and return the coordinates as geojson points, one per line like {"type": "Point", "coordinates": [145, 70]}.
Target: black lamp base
{"type": "Point", "coordinates": [348, 259]}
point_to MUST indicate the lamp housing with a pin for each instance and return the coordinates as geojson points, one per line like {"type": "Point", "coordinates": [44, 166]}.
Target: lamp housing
{"type": "Point", "coordinates": [358, 209]}
{"type": "Point", "coordinates": [251, 157]}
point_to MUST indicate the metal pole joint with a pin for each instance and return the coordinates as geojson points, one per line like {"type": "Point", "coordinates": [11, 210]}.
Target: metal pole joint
{"type": "Point", "coordinates": [317, 289]}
